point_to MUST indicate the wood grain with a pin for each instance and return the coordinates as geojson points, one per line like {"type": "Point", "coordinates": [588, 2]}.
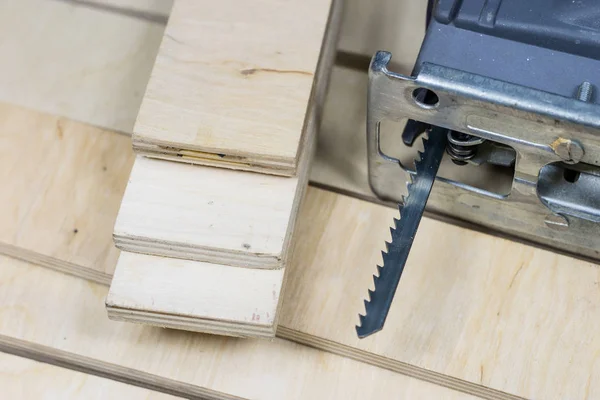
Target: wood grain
{"type": "Point", "coordinates": [236, 95]}
{"type": "Point", "coordinates": [482, 309]}
{"type": "Point", "coordinates": [233, 218]}
{"type": "Point", "coordinates": [207, 214]}
{"type": "Point", "coordinates": [62, 182]}
{"type": "Point", "coordinates": [73, 327]}
{"type": "Point", "coordinates": [75, 61]}
{"type": "Point", "coordinates": [457, 321]}
{"type": "Point", "coordinates": [195, 296]}
{"type": "Point", "coordinates": [24, 379]}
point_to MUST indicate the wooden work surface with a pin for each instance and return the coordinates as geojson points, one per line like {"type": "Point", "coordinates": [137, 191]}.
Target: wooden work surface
{"type": "Point", "coordinates": [504, 315]}
{"type": "Point", "coordinates": [483, 309]}
{"type": "Point", "coordinates": [66, 187]}
{"type": "Point", "coordinates": [77, 61]}
{"type": "Point", "coordinates": [72, 329]}
{"type": "Point", "coordinates": [486, 322]}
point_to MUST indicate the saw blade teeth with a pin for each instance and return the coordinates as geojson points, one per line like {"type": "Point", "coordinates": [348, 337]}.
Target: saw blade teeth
{"type": "Point", "coordinates": [394, 258]}
{"type": "Point", "coordinates": [361, 319]}
{"type": "Point", "coordinates": [375, 280]}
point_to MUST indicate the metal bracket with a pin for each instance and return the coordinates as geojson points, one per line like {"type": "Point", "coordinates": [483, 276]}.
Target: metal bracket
{"type": "Point", "coordinates": [542, 128]}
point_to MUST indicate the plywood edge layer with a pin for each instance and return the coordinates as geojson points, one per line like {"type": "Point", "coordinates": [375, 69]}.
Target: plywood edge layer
{"type": "Point", "coordinates": [55, 264]}
{"type": "Point", "coordinates": [177, 250]}
{"type": "Point", "coordinates": [26, 379]}
{"type": "Point", "coordinates": [313, 113]}
{"type": "Point", "coordinates": [91, 366]}
{"type": "Point", "coordinates": [211, 159]}
{"type": "Point", "coordinates": [410, 370]}
{"type": "Point", "coordinates": [222, 328]}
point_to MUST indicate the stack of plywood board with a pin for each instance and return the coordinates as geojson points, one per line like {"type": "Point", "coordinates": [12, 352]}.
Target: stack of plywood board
{"type": "Point", "coordinates": [205, 248]}
{"type": "Point", "coordinates": [503, 321]}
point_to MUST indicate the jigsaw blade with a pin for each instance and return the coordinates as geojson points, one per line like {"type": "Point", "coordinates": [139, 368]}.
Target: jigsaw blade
{"type": "Point", "coordinates": [403, 233]}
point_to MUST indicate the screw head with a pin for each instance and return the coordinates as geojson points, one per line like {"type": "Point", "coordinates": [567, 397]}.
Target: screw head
{"type": "Point", "coordinates": [557, 222]}
{"type": "Point", "coordinates": [569, 150]}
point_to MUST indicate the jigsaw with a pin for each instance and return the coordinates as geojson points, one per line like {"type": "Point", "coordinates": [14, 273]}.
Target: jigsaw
{"type": "Point", "coordinates": [504, 94]}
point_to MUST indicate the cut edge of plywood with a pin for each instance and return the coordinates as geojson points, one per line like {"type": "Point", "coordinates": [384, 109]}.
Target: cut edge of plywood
{"type": "Point", "coordinates": [400, 367]}
{"type": "Point", "coordinates": [55, 264]}
{"type": "Point", "coordinates": [233, 329]}
{"type": "Point", "coordinates": [91, 366]}
{"type": "Point", "coordinates": [201, 254]}
{"type": "Point", "coordinates": [242, 162]}
{"type": "Point", "coordinates": [28, 379]}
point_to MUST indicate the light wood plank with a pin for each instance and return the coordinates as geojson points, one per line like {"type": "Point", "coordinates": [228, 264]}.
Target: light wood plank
{"type": "Point", "coordinates": [72, 327]}
{"type": "Point", "coordinates": [211, 225]}
{"type": "Point", "coordinates": [24, 379]}
{"type": "Point", "coordinates": [195, 296]}
{"type": "Point", "coordinates": [61, 186]}
{"type": "Point", "coordinates": [264, 244]}
{"type": "Point", "coordinates": [208, 214]}
{"type": "Point", "coordinates": [235, 95]}
{"type": "Point", "coordinates": [75, 61]}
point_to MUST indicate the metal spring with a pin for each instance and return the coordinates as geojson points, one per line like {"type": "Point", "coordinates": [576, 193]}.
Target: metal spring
{"type": "Point", "coordinates": [462, 147]}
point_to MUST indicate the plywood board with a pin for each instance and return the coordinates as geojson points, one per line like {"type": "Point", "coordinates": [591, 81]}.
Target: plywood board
{"type": "Point", "coordinates": [75, 61]}
{"type": "Point", "coordinates": [224, 217]}
{"type": "Point", "coordinates": [208, 214]}
{"type": "Point", "coordinates": [486, 310]}
{"type": "Point", "coordinates": [235, 219]}
{"type": "Point", "coordinates": [62, 182]}
{"type": "Point", "coordinates": [25, 379]}
{"type": "Point", "coordinates": [236, 95]}
{"type": "Point", "coordinates": [72, 328]}
{"type": "Point", "coordinates": [195, 296]}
